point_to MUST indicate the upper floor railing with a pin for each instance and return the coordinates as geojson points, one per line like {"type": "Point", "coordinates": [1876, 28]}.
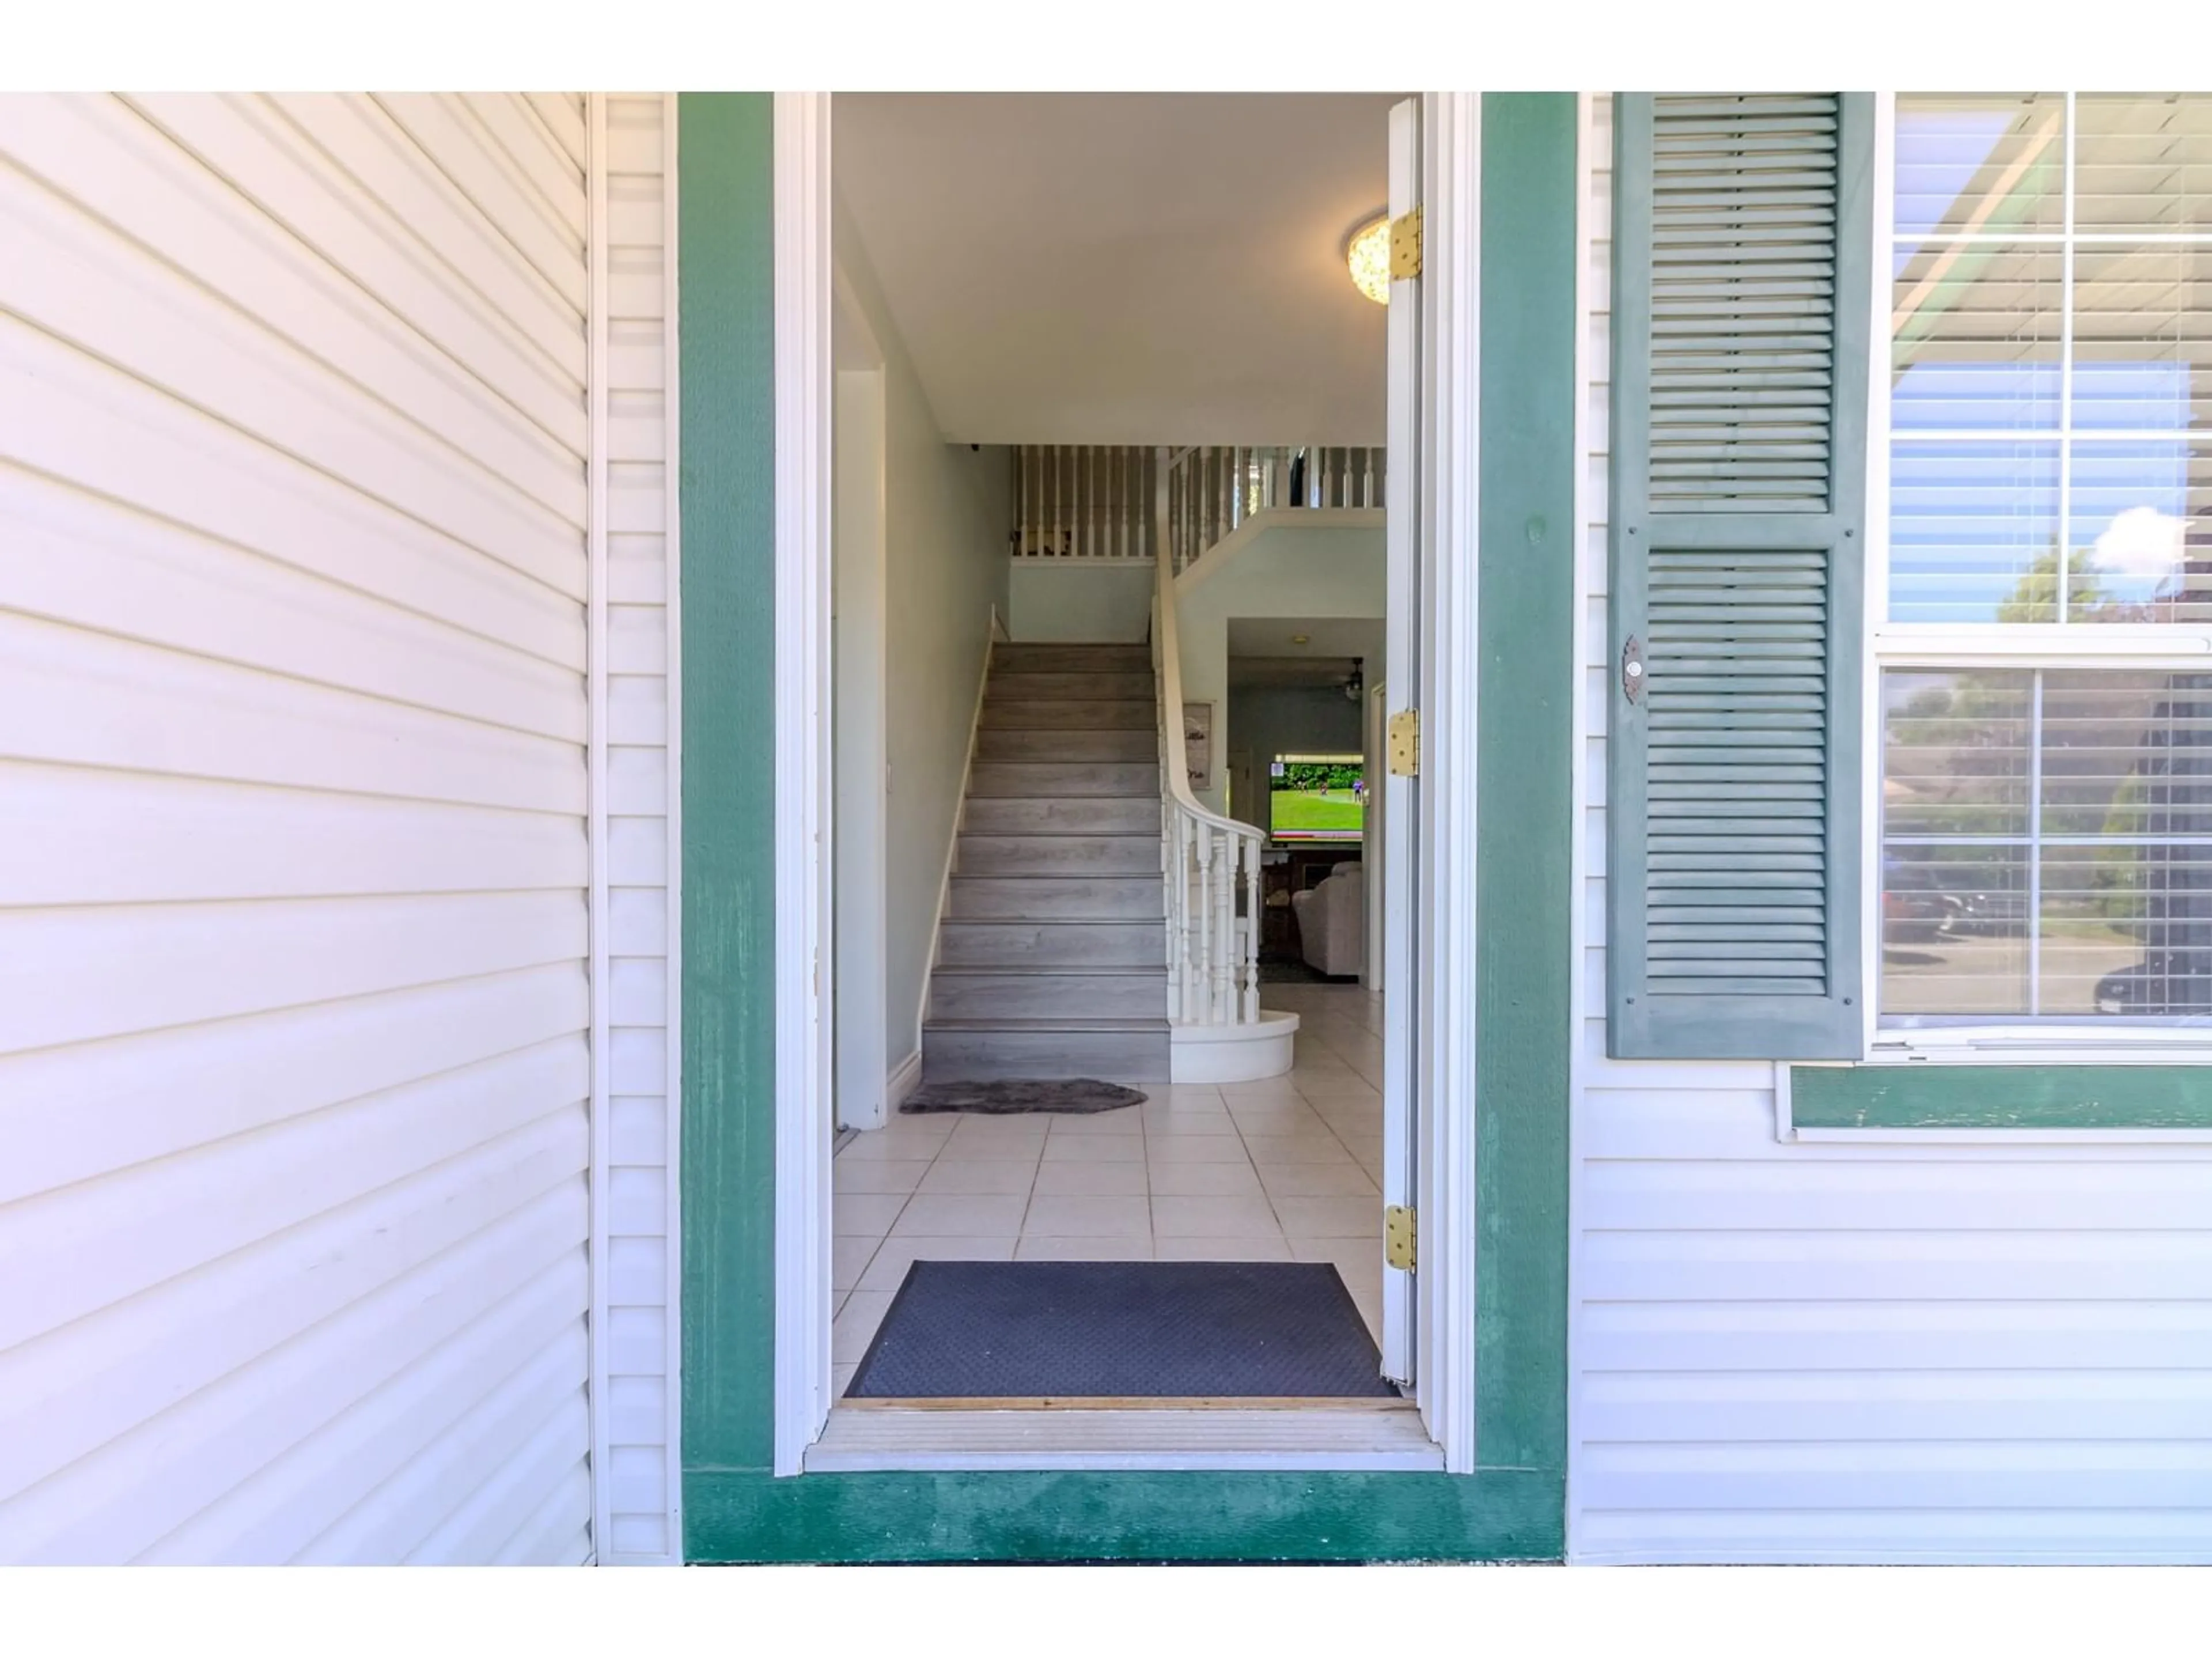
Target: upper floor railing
{"type": "Point", "coordinates": [1095, 501]}
{"type": "Point", "coordinates": [1213, 490]}
{"type": "Point", "coordinates": [1085, 502]}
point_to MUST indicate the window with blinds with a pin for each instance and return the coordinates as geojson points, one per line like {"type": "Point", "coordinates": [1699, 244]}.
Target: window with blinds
{"type": "Point", "coordinates": [2046, 649]}
{"type": "Point", "coordinates": [2051, 359]}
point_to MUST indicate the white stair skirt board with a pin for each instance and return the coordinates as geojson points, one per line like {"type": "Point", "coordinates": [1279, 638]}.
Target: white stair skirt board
{"type": "Point", "coordinates": [1317, 1436]}
{"type": "Point", "coordinates": [1232, 1053]}
{"type": "Point", "coordinates": [905, 1078]}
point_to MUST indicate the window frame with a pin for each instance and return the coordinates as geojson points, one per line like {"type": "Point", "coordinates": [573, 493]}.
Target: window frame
{"type": "Point", "coordinates": [2182, 648]}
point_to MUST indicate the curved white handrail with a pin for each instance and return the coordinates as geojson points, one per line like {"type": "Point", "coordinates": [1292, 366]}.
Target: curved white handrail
{"type": "Point", "coordinates": [1213, 971]}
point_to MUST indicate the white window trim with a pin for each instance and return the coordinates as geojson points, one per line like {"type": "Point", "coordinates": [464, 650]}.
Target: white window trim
{"type": "Point", "coordinates": [1904, 644]}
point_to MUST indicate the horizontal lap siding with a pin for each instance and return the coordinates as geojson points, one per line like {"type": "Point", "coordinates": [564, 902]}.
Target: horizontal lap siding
{"type": "Point", "coordinates": [294, 1074]}
{"type": "Point", "coordinates": [1828, 1351]}
{"type": "Point", "coordinates": [641, 1481]}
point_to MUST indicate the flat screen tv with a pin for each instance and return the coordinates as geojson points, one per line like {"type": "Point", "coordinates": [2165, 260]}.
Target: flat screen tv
{"type": "Point", "coordinates": [1316, 798]}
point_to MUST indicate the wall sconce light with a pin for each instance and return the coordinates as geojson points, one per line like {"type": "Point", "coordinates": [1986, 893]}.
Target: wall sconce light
{"type": "Point", "coordinates": [1367, 253]}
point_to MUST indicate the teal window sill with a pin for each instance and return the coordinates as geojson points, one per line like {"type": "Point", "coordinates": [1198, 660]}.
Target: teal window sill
{"type": "Point", "coordinates": [1949, 1097]}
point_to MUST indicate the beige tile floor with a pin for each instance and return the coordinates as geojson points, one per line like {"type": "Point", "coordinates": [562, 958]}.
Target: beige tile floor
{"type": "Point", "coordinates": [1283, 1171]}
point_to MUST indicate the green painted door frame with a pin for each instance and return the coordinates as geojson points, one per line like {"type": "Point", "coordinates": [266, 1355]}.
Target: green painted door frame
{"type": "Point", "coordinates": [1512, 1507]}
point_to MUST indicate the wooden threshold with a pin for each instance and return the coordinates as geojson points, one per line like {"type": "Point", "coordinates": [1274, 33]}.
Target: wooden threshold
{"type": "Point", "coordinates": [1130, 1403]}
{"type": "Point", "coordinates": [1152, 1434]}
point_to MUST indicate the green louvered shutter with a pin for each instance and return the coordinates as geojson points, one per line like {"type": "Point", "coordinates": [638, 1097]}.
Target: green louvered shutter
{"type": "Point", "coordinates": [1740, 323]}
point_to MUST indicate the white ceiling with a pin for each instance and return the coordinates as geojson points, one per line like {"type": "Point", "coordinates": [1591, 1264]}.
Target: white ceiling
{"type": "Point", "coordinates": [1325, 636]}
{"type": "Point", "coordinates": [1126, 268]}
{"type": "Point", "coordinates": [1303, 673]}
{"type": "Point", "coordinates": [1262, 651]}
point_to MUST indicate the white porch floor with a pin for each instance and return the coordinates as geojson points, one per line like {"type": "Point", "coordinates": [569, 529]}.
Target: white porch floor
{"type": "Point", "coordinates": [1284, 1170]}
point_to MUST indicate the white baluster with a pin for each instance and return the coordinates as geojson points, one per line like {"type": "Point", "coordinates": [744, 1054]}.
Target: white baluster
{"type": "Point", "coordinates": [1209, 944]}
{"type": "Point", "coordinates": [1186, 932]}
{"type": "Point", "coordinates": [1250, 965]}
{"type": "Point", "coordinates": [1117, 484]}
{"type": "Point", "coordinates": [1224, 911]}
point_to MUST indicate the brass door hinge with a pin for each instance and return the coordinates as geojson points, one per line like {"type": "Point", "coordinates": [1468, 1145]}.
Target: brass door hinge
{"type": "Point", "coordinates": [1406, 743]}
{"type": "Point", "coordinates": [1406, 245]}
{"type": "Point", "coordinates": [1398, 1236]}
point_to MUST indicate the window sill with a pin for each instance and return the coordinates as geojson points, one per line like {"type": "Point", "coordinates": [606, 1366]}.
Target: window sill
{"type": "Point", "coordinates": [2164, 1095]}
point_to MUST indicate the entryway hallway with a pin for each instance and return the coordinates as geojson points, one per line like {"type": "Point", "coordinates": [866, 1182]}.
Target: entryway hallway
{"type": "Point", "coordinates": [1287, 1170]}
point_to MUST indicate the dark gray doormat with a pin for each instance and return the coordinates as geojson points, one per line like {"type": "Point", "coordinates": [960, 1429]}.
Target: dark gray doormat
{"type": "Point", "coordinates": [1133, 1329]}
{"type": "Point", "coordinates": [1082, 1094]}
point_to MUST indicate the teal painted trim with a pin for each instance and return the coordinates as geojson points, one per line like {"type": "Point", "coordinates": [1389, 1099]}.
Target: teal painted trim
{"type": "Point", "coordinates": [2001, 1096]}
{"type": "Point", "coordinates": [726, 483]}
{"type": "Point", "coordinates": [1214, 1516]}
{"type": "Point", "coordinates": [1528, 542]}
{"type": "Point", "coordinates": [1513, 1508]}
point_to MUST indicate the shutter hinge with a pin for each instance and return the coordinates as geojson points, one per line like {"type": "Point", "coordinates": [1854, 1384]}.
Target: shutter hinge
{"type": "Point", "coordinates": [1398, 1249]}
{"type": "Point", "coordinates": [1406, 743]}
{"type": "Point", "coordinates": [1406, 245]}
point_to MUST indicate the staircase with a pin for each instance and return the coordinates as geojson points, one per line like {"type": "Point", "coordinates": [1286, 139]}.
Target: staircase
{"type": "Point", "coordinates": [1052, 953]}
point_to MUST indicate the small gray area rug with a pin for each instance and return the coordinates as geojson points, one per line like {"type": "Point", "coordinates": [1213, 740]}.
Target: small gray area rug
{"type": "Point", "coordinates": [1157, 1329]}
{"type": "Point", "coordinates": [1082, 1094]}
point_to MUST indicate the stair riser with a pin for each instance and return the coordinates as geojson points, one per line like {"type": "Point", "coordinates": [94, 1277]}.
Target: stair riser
{"type": "Point", "coordinates": [1051, 945]}
{"type": "Point", "coordinates": [1048, 996]}
{"type": "Point", "coordinates": [1066, 714]}
{"type": "Point", "coordinates": [980, 1056]}
{"type": "Point", "coordinates": [1071, 659]}
{"type": "Point", "coordinates": [1127, 898]}
{"type": "Point", "coordinates": [1059, 855]}
{"type": "Point", "coordinates": [1041, 778]}
{"type": "Point", "coordinates": [1100, 815]}
{"type": "Point", "coordinates": [1048, 745]}
{"type": "Point", "coordinates": [1027, 688]}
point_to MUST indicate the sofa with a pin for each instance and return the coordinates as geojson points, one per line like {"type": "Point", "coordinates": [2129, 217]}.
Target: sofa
{"type": "Point", "coordinates": [1332, 920]}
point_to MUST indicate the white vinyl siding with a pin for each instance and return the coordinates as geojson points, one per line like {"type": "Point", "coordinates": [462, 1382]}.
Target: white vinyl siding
{"type": "Point", "coordinates": [639, 1495]}
{"type": "Point", "coordinates": [1887, 1351]}
{"type": "Point", "coordinates": [294, 1072]}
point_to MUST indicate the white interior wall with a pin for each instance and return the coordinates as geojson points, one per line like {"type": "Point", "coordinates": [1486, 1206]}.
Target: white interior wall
{"type": "Point", "coordinates": [1286, 570]}
{"type": "Point", "coordinates": [860, 713]}
{"type": "Point", "coordinates": [1079, 602]}
{"type": "Point", "coordinates": [947, 513]}
{"type": "Point", "coordinates": [294, 922]}
{"type": "Point", "coordinates": [1900, 1349]}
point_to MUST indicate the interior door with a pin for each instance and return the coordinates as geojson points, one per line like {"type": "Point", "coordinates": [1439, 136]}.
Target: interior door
{"type": "Point", "coordinates": [1401, 813]}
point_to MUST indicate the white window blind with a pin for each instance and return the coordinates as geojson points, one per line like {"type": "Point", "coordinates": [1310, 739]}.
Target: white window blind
{"type": "Point", "coordinates": [2046, 659]}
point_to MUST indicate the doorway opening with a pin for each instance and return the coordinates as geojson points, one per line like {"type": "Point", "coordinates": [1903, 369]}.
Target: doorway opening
{"type": "Point", "coordinates": [1056, 857]}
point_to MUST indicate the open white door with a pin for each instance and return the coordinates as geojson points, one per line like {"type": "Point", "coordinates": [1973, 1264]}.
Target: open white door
{"type": "Point", "coordinates": [1402, 814]}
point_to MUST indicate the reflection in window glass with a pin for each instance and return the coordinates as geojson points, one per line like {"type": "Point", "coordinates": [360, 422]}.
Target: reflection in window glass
{"type": "Point", "coordinates": [2142, 337]}
{"type": "Point", "coordinates": [1973, 533]}
{"type": "Point", "coordinates": [2143, 162]}
{"type": "Point", "coordinates": [2046, 844]}
{"type": "Point", "coordinates": [2125, 928]}
{"type": "Point", "coordinates": [1970, 162]}
{"type": "Point", "coordinates": [1975, 339]}
{"type": "Point", "coordinates": [2140, 535]}
{"type": "Point", "coordinates": [2049, 358]}
{"type": "Point", "coordinates": [1954, 752]}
